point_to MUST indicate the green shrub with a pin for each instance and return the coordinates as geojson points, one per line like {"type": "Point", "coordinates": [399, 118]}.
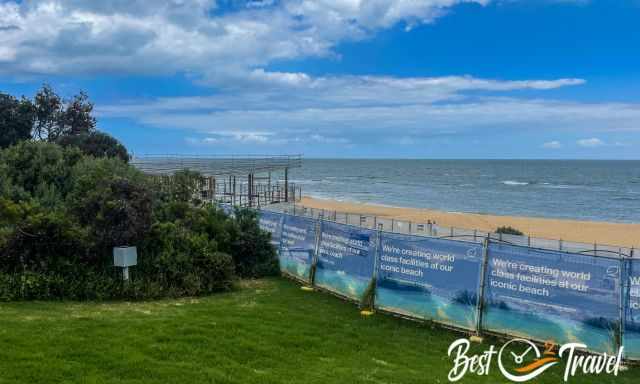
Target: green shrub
{"type": "Point", "coordinates": [37, 170]}
{"type": "Point", "coordinates": [62, 212]}
{"type": "Point", "coordinates": [112, 200]}
{"type": "Point", "coordinates": [185, 263]}
{"type": "Point", "coordinates": [253, 254]}
{"type": "Point", "coordinates": [96, 144]}
{"type": "Point", "coordinates": [509, 231]}
{"type": "Point", "coordinates": [38, 239]}
{"type": "Point", "coordinates": [182, 187]}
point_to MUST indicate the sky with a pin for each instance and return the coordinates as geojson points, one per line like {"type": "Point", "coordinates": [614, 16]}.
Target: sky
{"type": "Point", "coordinates": [552, 79]}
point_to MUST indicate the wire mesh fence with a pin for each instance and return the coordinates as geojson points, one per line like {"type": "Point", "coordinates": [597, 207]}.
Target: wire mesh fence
{"type": "Point", "coordinates": [435, 230]}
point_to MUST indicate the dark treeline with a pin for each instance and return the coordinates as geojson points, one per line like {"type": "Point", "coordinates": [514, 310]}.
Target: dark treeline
{"type": "Point", "coordinates": [50, 118]}
{"type": "Point", "coordinates": [68, 196]}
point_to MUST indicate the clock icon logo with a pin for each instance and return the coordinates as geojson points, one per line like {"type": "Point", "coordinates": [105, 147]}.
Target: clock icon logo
{"type": "Point", "coordinates": [525, 360]}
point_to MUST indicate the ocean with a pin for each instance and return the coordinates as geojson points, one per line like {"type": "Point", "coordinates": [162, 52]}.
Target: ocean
{"type": "Point", "coordinates": [570, 189]}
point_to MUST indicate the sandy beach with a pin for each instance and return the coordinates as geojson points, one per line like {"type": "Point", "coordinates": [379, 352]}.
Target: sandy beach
{"type": "Point", "coordinates": [627, 235]}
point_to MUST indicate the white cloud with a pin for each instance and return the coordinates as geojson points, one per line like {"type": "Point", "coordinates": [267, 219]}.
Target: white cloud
{"type": "Point", "coordinates": [218, 45]}
{"type": "Point", "coordinates": [297, 91]}
{"type": "Point", "coordinates": [232, 49]}
{"type": "Point", "coordinates": [590, 143]}
{"type": "Point", "coordinates": [307, 117]}
{"type": "Point", "coordinates": [552, 145]}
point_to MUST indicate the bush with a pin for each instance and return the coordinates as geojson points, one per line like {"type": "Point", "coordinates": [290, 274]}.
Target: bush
{"type": "Point", "coordinates": [62, 212]}
{"type": "Point", "coordinates": [96, 144]}
{"type": "Point", "coordinates": [253, 254]}
{"type": "Point", "coordinates": [37, 170]}
{"type": "Point", "coordinates": [112, 200]}
{"type": "Point", "coordinates": [509, 231]}
{"type": "Point", "coordinates": [38, 239]}
{"type": "Point", "coordinates": [182, 187]}
{"type": "Point", "coordinates": [182, 262]}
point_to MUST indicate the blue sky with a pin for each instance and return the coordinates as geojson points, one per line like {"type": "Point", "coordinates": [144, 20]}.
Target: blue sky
{"type": "Point", "coordinates": [343, 78]}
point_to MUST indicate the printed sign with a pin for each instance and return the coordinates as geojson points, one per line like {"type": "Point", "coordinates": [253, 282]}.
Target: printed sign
{"type": "Point", "coordinates": [297, 246]}
{"type": "Point", "coordinates": [549, 295]}
{"type": "Point", "coordinates": [429, 278]}
{"type": "Point", "coordinates": [271, 222]}
{"type": "Point", "coordinates": [631, 339]}
{"type": "Point", "coordinates": [345, 259]}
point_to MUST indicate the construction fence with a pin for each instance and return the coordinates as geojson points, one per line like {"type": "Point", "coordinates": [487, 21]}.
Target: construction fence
{"type": "Point", "coordinates": [432, 229]}
{"type": "Point", "coordinates": [473, 282]}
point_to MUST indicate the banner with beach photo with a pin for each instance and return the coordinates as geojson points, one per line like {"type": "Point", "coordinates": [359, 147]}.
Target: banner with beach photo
{"type": "Point", "coordinates": [631, 339]}
{"type": "Point", "coordinates": [346, 259]}
{"type": "Point", "coordinates": [427, 278]}
{"type": "Point", "coordinates": [271, 222]}
{"type": "Point", "coordinates": [297, 246]}
{"type": "Point", "coordinates": [551, 295]}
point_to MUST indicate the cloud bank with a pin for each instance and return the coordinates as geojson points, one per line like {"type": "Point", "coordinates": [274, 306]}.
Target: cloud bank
{"type": "Point", "coordinates": [220, 43]}
{"type": "Point", "coordinates": [229, 46]}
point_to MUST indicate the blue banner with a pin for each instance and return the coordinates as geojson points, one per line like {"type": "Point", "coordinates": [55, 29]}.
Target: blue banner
{"type": "Point", "coordinates": [429, 278]}
{"type": "Point", "coordinates": [228, 209]}
{"type": "Point", "coordinates": [271, 222]}
{"type": "Point", "coordinates": [297, 246]}
{"type": "Point", "coordinates": [345, 259]}
{"type": "Point", "coordinates": [631, 339]}
{"type": "Point", "coordinates": [550, 295]}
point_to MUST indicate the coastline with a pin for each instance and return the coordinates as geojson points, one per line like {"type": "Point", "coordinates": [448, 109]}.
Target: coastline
{"type": "Point", "coordinates": [600, 232]}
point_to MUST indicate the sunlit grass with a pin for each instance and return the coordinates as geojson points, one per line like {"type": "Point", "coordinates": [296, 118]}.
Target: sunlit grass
{"type": "Point", "coordinates": [268, 331]}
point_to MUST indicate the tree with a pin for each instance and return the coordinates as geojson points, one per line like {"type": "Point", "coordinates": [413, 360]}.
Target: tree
{"type": "Point", "coordinates": [76, 118]}
{"type": "Point", "coordinates": [56, 117]}
{"type": "Point", "coordinates": [49, 109]}
{"type": "Point", "coordinates": [96, 144]}
{"type": "Point", "coordinates": [16, 120]}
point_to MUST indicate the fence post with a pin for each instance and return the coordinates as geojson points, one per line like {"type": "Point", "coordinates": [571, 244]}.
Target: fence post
{"type": "Point", "coordinates": [316, 250]}
{"type": "Point", "coordinates": [481, 293]}
{"type": "Point", "coordinates": [376, 257]}
{"type": "Point", "coordinates": [623, 297]}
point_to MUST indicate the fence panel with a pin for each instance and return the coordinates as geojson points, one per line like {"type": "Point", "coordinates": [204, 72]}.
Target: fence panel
{"type": "Point", "coordinates": [346, 259]}
{"type": "Point", "coordinates": [550, 295]}
{"type": "Point", "coordinates": [271, 222]}
{"type": "Point", "coordinates": [429, 278]}
{"type": "Point", "coordinates": [631, 339]}
{"type": "Point", "coordinates": [228, 209]}
{"type": "Point", "coordinates": [297, 246]}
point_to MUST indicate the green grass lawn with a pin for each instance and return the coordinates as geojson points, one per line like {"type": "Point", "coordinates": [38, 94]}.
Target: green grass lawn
{"type": "Point", "coordinates": [269, 331]}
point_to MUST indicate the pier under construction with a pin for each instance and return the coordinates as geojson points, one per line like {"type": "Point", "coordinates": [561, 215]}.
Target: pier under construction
{"type": "Point", "coordinates": [245, 181]}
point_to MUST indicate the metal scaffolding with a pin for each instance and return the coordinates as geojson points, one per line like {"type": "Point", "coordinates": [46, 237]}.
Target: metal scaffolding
{"type": "Point", "coordinates": [216, 165]}
{"type": "Point", "coordinates": [247, 180]}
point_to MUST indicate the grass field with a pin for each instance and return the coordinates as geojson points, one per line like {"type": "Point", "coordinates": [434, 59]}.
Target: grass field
{"type": "Point", "coordinates": [269, 331]}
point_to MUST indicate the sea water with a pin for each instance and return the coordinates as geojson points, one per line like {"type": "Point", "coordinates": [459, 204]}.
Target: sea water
{"type": "Point", "coordinates": [570, 189]}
